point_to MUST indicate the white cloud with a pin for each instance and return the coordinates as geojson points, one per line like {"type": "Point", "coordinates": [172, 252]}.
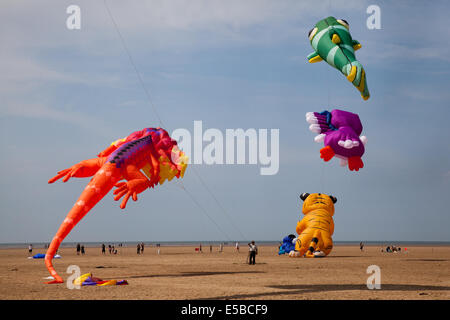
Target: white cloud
{"type": "Point", "coordinates": [24, 90]}
{"type": "Point", "coordinates": [405, 52]}
{"type": "Point", "coordinates": [34, 32]}
{"type": "Point", "coordinates": [42, 24]}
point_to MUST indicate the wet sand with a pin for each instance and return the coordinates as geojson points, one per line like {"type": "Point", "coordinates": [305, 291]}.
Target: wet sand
{"type": "Point", "coordinates": [182, 273]}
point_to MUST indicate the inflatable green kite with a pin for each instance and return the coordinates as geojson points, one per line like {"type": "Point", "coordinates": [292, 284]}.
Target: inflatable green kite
{"type": "Point", "coordinates": [333, 43]}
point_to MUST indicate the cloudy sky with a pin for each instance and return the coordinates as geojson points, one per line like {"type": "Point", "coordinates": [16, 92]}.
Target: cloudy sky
{"type": "Point", "coordinates": [66, 94]}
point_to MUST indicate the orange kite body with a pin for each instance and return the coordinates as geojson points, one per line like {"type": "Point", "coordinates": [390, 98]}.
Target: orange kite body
{"type": "Point", "coordinates": [316, 227]}
{"type": "Point", "coordinates": [144, 159]}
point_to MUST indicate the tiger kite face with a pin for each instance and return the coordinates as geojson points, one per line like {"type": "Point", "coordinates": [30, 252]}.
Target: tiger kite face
{"type": "Point", "coordinates": [316, 201]}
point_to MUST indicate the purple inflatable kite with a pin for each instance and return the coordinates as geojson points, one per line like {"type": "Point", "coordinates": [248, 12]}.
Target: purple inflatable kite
{"type": "Point", "coordinates": [339, 130]}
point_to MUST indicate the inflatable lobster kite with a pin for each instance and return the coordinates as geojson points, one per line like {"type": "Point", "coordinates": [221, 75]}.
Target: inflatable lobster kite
{"type": "Point", "coordinates": [144, 159]}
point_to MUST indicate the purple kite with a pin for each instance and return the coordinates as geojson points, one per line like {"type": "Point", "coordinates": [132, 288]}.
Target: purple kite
{"type": "Point", "coordinates": [340, 131]}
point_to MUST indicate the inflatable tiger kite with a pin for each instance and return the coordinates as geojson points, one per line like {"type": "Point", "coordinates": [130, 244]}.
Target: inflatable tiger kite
{"type": "Point", "coordinates": [316, 227]}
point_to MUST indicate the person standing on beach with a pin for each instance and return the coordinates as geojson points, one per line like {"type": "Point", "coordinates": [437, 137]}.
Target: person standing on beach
{"type": "Point", "coordinates": [142, 248]}
{"type": "Point", "coordinates": [253, 250]}
{"type": "Point", "coordinates": [237, 247]}
{"type": "Point", "coordinates": [159, 248]}
{"type": "Point", "coordinates": [103, 248]}
{"type": "Point", "coordinates": [78, 249]}
{"type": "Point", "coordinates": [138, 248]}
{"type": "Point", "coordinates": [210, 248]}
{"type": "Point", "coordinates": [82, 250]}
{"type": "Point", "coordinates": [361, 246]}
{"type": "Point", "coordinates": [30, 249]}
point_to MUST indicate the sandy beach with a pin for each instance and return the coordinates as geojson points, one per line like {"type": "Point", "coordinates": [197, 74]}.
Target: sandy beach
{"type": "Point", "coordinates": [179, 272]}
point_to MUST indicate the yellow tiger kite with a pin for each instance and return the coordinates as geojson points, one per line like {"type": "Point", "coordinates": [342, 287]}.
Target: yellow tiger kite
{"type": "Point", "coordinates": [316, 227]}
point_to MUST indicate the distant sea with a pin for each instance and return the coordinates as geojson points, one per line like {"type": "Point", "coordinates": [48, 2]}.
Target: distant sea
{"type": "Point", "coordinates": [131, 244]}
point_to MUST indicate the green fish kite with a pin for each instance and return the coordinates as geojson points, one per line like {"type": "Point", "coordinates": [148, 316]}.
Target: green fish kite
{"type": "Point", "coordinates": [333, 43]}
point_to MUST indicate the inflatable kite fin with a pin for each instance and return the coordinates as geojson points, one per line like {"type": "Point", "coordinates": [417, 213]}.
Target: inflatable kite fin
{"type": "Point", "coordinates": [357, 76]}
{"type": "Point", "coordinates": [362, 87]}
{"type": "Point", "coordinates": [314, 57]}
{"type": "Point", "coordinates": [356, 45]}
{"type": "Point", "coordinates": [335, 39]}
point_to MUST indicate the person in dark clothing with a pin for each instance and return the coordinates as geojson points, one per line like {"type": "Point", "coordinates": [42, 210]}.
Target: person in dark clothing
{"type": "Point", "coordinates": [103, 248]}
{"type": "Point", "coordinates": [82, 250]}
{"type": "Point", "coordinates": [253, 250]}
{"type": "Point", "coordinates": [78, 248]}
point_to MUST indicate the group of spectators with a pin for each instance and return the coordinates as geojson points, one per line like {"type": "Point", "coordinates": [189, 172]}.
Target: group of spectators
{"type": "Point", "coordinates": [80, 248]}
{"type": "Point", "coordinates": [392, 248]}
{"type": "Point", "coordinates": [140, 248]}
{"type": "Point", "coordinates": [111, 248]}
{"type": "Point", "coordinates": [253, 249]}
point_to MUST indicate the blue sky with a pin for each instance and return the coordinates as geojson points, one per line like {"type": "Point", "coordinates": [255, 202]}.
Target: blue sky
{"type": "Point", "coordinates": [66, 94]}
